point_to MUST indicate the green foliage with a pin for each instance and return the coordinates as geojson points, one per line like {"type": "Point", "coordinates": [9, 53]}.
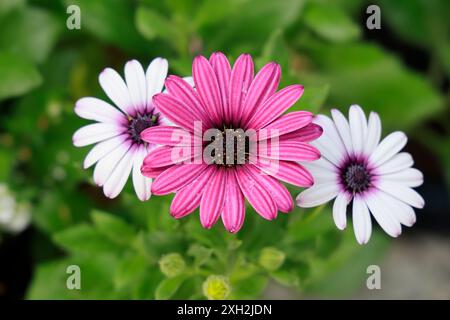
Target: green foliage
{"type": "Point", "coordinates": [18, 75]}
{"type": "Point", "coordinates": [118, 244]}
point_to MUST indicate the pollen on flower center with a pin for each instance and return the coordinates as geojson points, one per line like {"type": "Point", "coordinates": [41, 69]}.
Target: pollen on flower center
{"type": "Point", "coordinates": [229, 147]}
{"type": "Point", "coordinates": [356, 177]}
{"type": "Point", "coordinates": [140, 123]}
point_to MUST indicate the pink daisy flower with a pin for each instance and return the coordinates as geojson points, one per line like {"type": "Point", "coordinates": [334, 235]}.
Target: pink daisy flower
{"type": "Point", "coordinates": [119, 149]}
{"type": "Point", "coordinates": [356, 167]}
{"type": "Point", "coordinates": [233, 99]}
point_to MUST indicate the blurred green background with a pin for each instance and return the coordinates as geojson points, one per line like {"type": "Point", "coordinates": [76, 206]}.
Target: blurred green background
{"type": "Point", "coordinates": [402, 71]}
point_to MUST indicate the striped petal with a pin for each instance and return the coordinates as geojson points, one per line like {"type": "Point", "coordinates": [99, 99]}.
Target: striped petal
{"type": "Point", "coordinates": [240, 79]}
{"type": "Point", "coordinates": [234, 205]}
{"type": "Point", "coordinates": [275, 106]}
{"type": "Point", "coordinates": [208, 88]}
{"type": "Point", "coordinates": [263, 86]}
{"type": "Point", "coordinates": [256, 193]}
{"type": "Point", "coordinates": [213, 196]}
{"type": "Point", "coordinates": [176, 177]}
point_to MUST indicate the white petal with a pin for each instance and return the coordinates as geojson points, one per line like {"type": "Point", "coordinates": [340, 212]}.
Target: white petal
{"type": "Point", "coordinates": [116, 89]}
{"type": "Point", "coordinates": [120, 174]}
{"type": "Point", "coordinates": [142, 184]}
{"type": "Point", "coordinates": [373, 133]}
{"type": "Point", "coordinates": [398, 162]}
{"type": "Point", "coordinates": [343, 128]}
{"type": "Point", "coordinates": [98, 110]}
{"type": "Point", "coordinates": [328, 150]}
{"type": "Point", "coordinates": [156, 75]}
{"type": "Point", "coordinates": [136, 83]}
{"type": "Point", "coordinates": [402, 212]}
{"type": "Point", "coordinates": [329, 144]}
{"type": "Point", "coordinates": [389, 147]}
{"type": "Point", "coordinates": [340, 209]}
{"type": "Point", "coordinates": [102, 149]}
{"type": "Point", "coordinates": [362, 223]}
{"type": "Point", "coordinates": [106, 165]}
{"type": "Point", "coordinates": [410, 177]}
{"type": "Point", "coordinates": [383, 215]}
{"type": "Point", "coordinates": [322, 170]}
{"type": "Point", "coordinates": [317, 195]}
{"type": "Point", "coordinates": [401, 192]}
{"type": "Point", "coordinates": [190, 81]}
{"type": "Point", "coordinates": [96, 132]}
{"type": "Point", "coordinates": [358, 127]}
{"type": "Point", "coordinates": [330, 133]}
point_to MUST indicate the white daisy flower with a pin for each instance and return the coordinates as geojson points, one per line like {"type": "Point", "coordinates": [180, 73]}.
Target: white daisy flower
{"type": "Point", "coordinates": [119, 149]}
{"type": "Point", "coordinates": [356, 166]}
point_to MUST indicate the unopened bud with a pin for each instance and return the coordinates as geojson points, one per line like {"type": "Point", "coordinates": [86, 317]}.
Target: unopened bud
{"type": "Point", "coordinates": [216, 287]}
{"type": "Point", "coordinates": [271, 258]}
{"type": "Point", "coordinates": [172, 265]}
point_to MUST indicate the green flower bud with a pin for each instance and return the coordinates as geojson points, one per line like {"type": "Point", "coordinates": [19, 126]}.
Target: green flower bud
{"type": "Point", "coordinates": [216, 287]}
{"type": "Point", "coordinates": [172, 265]}
{"type": "Point", "coordinates": [271, 258]}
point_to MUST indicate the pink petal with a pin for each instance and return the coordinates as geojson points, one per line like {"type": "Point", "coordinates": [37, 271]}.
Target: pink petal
{"type": "Point", "coordinates": [234, 205]}
{"type": "Point", "coordinates": [222, 68]}
{"type": "Point", "coordinates": [176, 111]}
{"type": "Point", "coordinates": [279, 193]}
{"type": "Point", "coordinates": [208, 88]}
{"type": "Point", "coordinates": [176, 177]}
{"type": "Point", "coordinates": [289, 150]}
{"type": "Point", "coordinates": [263, 86]}
{"type": "Point", "coordinates": [167, 155]}
{"type": "Point", "coordinates": [306, 134]}
{"type": "Point", "coordinates": [212, 199]}
{"type": "Point", "coordinates": [184, 92]}
{"type": "Point", "coordinates": [240, 80]}
{"type": "Point", "coordinates": [285, 124]}
{"type": "Point", "coordinates": [288, 171]}
{"type": "Point", "coordinates": [152, 172]}
{"type": "Point", "coordinates": [167, 135]}
{"type": "Point", "coordinates": [275, 106]}
{"type": "Point", "coordinates": [256, 193]}
{"type": "Point", "coordinates": [188, 198]}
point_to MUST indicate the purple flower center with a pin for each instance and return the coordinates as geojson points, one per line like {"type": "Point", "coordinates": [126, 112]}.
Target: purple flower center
{"type": "Point", "coordinates": [229, 147]}
{"type": "Point", "coordinates": [356, 176]}
{"type": "Point", "coordinates": [140, 123]}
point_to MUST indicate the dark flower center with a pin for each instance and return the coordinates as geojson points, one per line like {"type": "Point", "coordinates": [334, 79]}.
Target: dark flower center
{"type": "Point", "coordinates": [356, 177]}
{"type": "Point", "coordinates": [229, 147]}
{"type": "Point", "coordinates": [140, 123]}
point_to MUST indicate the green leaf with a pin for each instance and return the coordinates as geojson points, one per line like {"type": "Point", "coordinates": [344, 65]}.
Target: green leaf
{"type": "Point", "coordinates": [6, 162]}
{"type": "Point", "coordinates": [248, 288]}
{"type": "Point", "coordinates": [96, 271]}
{"type": "Point", "coordinates": [114, 228]}
{"type": "Point", "coordinates": [153, 25]}
{"type": "Point", "coordinates": [286, 278]}
{"type": "Point", "coordinates": [330, 22]}
{"type": "Point", "coordinates": [275, 49]}
{"type": "Point", "coordinates": [377, 81]}
{"type": "Point", "coordinates": [129, 270]}
{"type": "Point", "coordinates": [30, 33]}
{"type": "Point", "coordinates": [249, 31]}
{"type": "Point", "coordinates": [17, 74]}
{"type": "Point", "coordinates": [344, 271]}
{"type": "Point", "coordinates": [7, 6]}
{"type": "Point", "coordinates": [84, 238]}
{"type": "Point", "coordinates": [112, 22]}
{"type": "Point", "coordinates": [313, 98]}
{"type": "Point", "coordinates": [168, 287]}
{"type": "Point", "coordinates": [200, 253]}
